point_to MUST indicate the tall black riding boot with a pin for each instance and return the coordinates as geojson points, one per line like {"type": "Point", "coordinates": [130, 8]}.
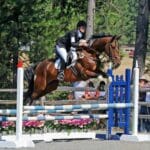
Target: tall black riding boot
{"type": "Point", "coordinates": [60, 75]}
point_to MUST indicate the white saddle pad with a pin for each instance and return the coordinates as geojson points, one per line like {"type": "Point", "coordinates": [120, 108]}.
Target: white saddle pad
{"type": "Point", "coordinates": [58, 64]}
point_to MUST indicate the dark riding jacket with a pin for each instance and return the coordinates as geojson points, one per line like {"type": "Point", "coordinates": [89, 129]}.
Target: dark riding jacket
{"type": "Point", "coordinates": [70, 39]}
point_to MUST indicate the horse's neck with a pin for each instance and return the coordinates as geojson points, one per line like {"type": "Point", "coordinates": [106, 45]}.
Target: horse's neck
{"type": "Point", "coordinates": [99, 44]}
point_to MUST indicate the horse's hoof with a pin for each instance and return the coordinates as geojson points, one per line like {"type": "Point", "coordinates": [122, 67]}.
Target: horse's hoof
{"type": "Point", "coordinates": [28, 101]}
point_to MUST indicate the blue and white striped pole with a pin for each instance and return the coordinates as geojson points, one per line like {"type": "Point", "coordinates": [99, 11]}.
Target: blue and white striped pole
{"type": "Point", "coordinates": [50, 117]}
{"type": "Point", "coordinates": [65, 108]}
{"type": "Point", "coordinates": [82, 106]}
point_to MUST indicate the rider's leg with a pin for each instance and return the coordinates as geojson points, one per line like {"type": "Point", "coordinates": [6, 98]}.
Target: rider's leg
{"type": "Point", "coordinates": [62, 53]}
{"type": "Point", "coordinates": [74, 54]}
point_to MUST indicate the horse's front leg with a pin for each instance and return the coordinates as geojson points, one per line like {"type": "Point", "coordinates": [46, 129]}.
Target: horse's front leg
{"type": "Point", "coordinates": [104, 74]}
{"type": "Point", "coordinates": [91, 74]}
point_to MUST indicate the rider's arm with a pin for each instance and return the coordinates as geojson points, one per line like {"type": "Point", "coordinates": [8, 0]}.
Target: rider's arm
{"type": "Point", "coordinates": [73, 41]}
{"type": "Point", "coordinates": [80, 43]}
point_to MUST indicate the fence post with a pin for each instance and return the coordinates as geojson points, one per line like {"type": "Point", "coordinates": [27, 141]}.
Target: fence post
{"type": "Point", "coordinates": [135, 99]}
{"type": "Point", "coordinates": [20, 74]}
{"type": "Point", "coordinates": [20, 141]}
{"type": "Point", "coordinates": [110, 111]}
{"type": "Point", "coordinates": [135, 136]}
{"type": "Point", "coordinates": [127, 100]}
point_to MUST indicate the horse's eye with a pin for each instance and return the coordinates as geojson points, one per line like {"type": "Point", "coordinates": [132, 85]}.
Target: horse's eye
{"type": "Point", "coordinates": [113, 47]}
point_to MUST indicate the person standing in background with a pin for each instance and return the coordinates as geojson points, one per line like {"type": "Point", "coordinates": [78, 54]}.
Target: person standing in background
{"type": "Point", "coordinates": [144, 124]}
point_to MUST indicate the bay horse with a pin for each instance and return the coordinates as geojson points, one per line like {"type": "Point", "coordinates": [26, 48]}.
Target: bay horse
{"type": "Point", "coordinates": [43, 77]}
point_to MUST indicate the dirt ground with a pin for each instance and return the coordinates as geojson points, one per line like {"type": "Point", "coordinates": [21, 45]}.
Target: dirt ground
{"type": "Point", "coordinates": [88, 145]}
{"type": "Point", "coordinates": [126, 62]}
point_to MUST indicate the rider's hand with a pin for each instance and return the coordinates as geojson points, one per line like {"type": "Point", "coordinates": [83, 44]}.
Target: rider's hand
{"type": "Point", "coordinates": [83, 43]}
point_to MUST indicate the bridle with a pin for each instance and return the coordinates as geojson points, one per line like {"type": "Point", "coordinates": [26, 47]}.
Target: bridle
{"type": "Point", "coordinates": [110, 48]}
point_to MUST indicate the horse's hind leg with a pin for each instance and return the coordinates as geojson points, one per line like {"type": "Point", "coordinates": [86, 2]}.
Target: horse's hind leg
{"type": "Point", "coordinates": [39, 86]}
{"type": "Point", "coordinates": [50, 87]}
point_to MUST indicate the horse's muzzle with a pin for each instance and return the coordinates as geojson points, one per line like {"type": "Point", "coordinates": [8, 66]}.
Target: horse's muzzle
{"type": "Point", "coordinates": [116, 62]}
{"type": "Point", "coordinates": [117, 65]}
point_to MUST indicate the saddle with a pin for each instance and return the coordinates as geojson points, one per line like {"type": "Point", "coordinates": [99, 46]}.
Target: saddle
{"type": "Point", "coordinates": [58, 61]}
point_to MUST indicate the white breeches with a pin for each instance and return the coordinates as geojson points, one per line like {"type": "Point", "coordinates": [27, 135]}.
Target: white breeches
{"type": "Point", "coordinates": [62, 52]}
{"type": "Point", "coordinates": [74, 54]}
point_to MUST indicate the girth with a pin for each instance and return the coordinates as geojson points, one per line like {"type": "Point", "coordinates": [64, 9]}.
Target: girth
{"type": "Point", "coordinates": [78, 73]}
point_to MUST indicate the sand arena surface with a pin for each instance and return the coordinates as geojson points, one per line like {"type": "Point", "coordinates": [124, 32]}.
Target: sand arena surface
{"type": "Point", "coordinates": [88, 145]}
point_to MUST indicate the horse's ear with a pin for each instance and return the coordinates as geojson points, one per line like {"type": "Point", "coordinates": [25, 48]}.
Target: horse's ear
{"type": "Point", "coordinates": [113, 38]}
{"type": "Point", "coordinates": [118, 37]}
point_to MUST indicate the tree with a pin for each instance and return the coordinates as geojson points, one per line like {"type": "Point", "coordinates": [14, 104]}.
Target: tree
{"type": "Point", "coordinates": [38, 23]}
{"type": "Point", "coordinates": [35, 24]}
{"type": "Point", "coordinates": [142, 34]}
{"type": "Point", "coordinates": [117, 17]}
{"type": "Point", "coordinates": [90, 18]}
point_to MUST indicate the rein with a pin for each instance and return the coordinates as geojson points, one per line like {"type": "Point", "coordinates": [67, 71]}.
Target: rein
{"type": "Point", "coordinates": [108, 45]}
{"type": "Point", "coordinates": [88, 58]}
{"type": "Point", "coordinates": [96, 52]}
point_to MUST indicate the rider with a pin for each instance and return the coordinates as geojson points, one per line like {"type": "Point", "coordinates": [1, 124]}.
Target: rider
{"type": "Point", "coordinates": [69, 42]}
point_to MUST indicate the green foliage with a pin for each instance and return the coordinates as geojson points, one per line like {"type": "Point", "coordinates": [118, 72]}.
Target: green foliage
{"type": "Point", "coordinates": [37, 24]}
{"type": "Point", "coordinates": [57, 95]}
{"type": "Point", "coordinates": [117, 17]}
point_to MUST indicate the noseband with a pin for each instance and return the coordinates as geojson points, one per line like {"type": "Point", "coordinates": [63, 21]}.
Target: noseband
{"type": "Point", "coordinates": [109, 47]}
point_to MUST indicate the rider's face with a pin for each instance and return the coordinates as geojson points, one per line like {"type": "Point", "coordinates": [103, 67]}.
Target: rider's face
{"type": "Point", "coordinates": [82, 29]}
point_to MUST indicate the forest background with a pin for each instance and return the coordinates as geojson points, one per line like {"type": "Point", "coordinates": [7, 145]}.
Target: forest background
{"type": "Point", "coordinates": [33, 26]}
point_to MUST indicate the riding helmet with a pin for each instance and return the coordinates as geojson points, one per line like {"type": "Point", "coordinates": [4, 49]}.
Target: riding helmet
{"type": "Point", "coordinates": [81, 23]}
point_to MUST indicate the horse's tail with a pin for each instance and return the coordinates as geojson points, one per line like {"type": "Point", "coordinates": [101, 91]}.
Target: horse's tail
{"type": "Point", "coordinates": [29, 78]}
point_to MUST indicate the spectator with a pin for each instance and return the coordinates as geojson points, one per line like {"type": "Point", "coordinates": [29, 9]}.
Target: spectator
{"type": "Point", "coordinates": [94, 95]}
{"type": "Point", "coordinates": [144, 97]}
{"type": "Point", "coordinates": [89, 95]}
{"type": "Point", "coordinates": [144, 83]}
{"type": "Point", "coordinates": [102, 88]}
{"type": "Point", "coordinates": [78, 94]}
{"type": "Point", "coordinates": [70, 96]}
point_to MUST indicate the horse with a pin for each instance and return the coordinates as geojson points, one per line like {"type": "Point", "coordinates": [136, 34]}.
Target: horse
{"type": "Point", "coordinates": [43, 78]}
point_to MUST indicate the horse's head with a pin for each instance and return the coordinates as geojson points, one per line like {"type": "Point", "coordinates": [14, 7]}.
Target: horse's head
{"type": "Point", "coordinates": [112, 50]}
{"type": "Point", "coordinates": [109, 45]}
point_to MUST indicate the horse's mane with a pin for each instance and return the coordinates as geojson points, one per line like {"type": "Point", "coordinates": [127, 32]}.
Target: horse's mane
{"type": "Point", "coordinates": [101, 35]}
{"type": "Point", "coordinates": [52, 59]}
